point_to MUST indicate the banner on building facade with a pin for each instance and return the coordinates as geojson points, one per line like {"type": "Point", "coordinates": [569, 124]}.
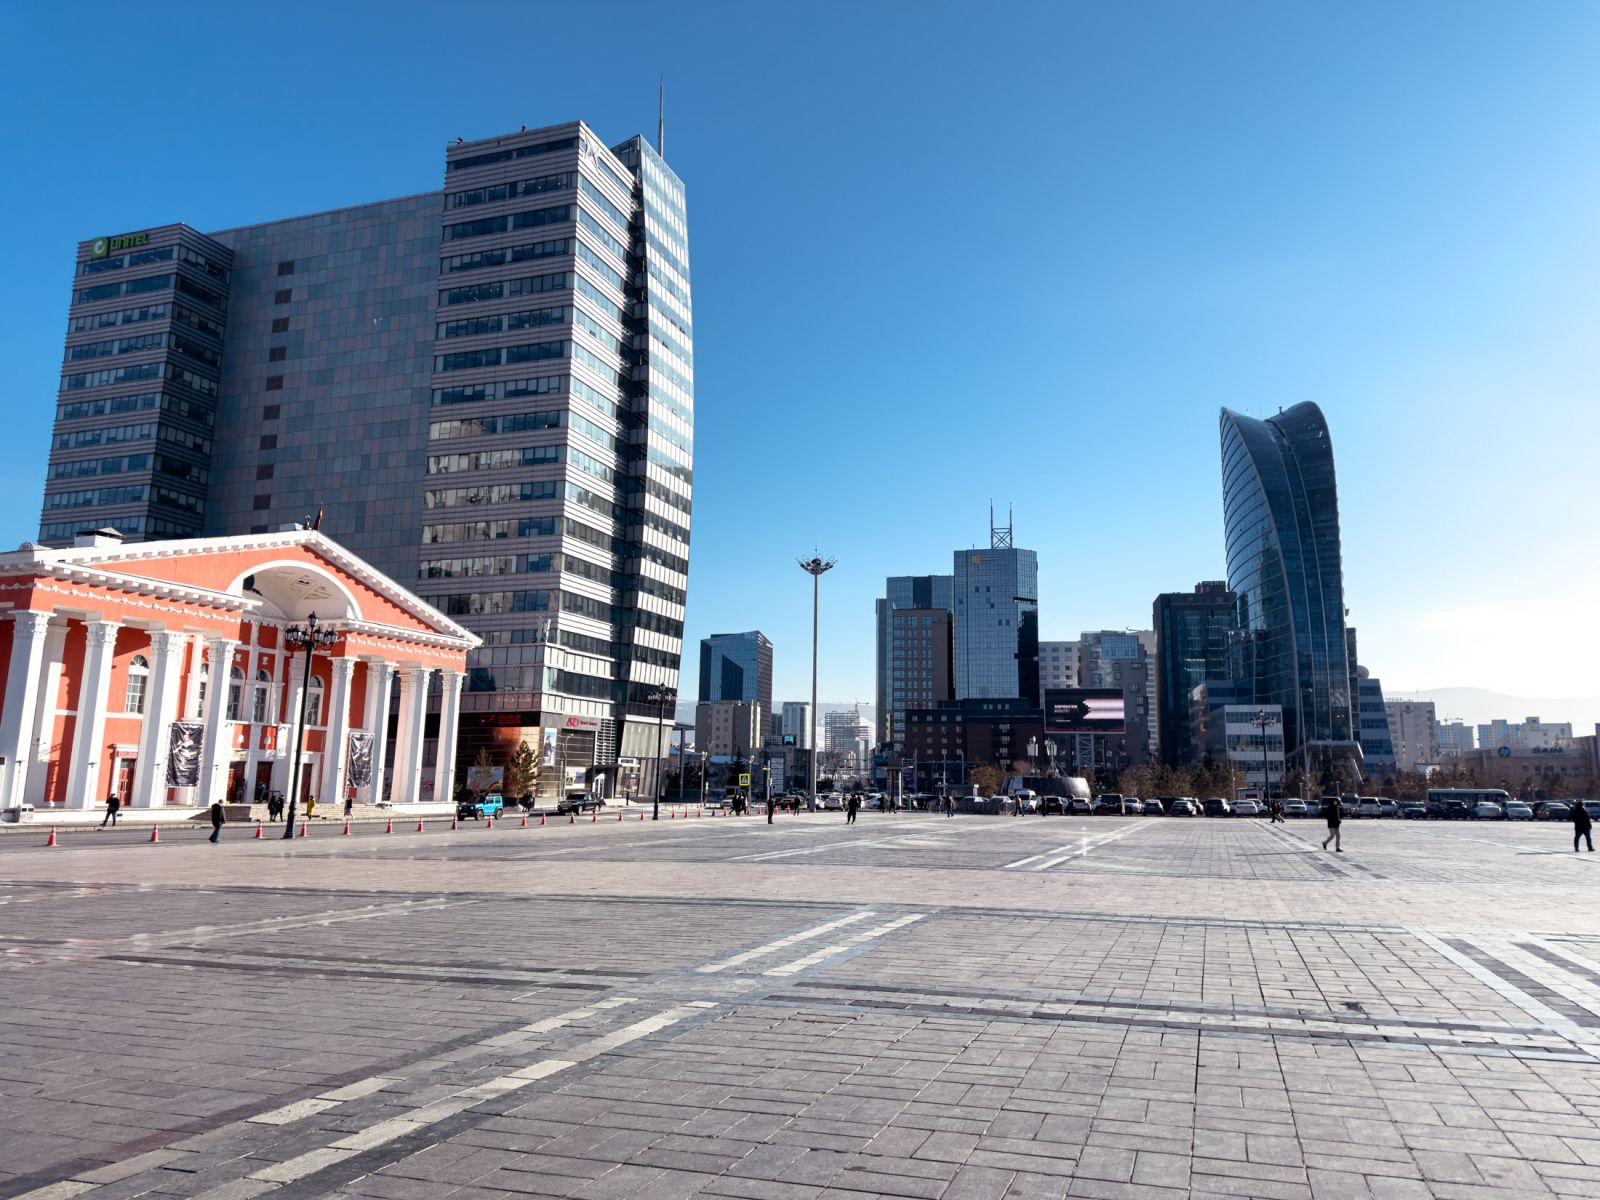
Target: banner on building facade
{"type": "Point", "coordinates": [548, 757]}
{"type": "Point", "coordinates": [183, 754]}
{"type": "Point", "coordinates": [360, 770]}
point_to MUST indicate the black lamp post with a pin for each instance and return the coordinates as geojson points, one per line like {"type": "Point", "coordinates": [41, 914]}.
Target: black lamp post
{"type": "Point", "coordinates": [1262, 721]}
{"type": "Point", "coordinates": [310, 638]}
{"type": "Point", "coordinates": [659, 696]}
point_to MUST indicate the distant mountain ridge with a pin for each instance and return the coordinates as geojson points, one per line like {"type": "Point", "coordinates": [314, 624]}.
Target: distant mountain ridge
{"type": "Point", "coordinates": [1479, 706]}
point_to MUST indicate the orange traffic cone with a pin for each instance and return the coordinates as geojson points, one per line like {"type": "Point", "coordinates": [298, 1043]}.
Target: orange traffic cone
{"type": "Point", "coordinates": [155, 833]}
{"type": "Point", "coordinates": [258, 831]}
{"type": "Point", "coordinates": [490, 824]}
{"type": "Point", "coordinates": [347, 829]}
{"type": "Point", "coordinates": [619, 817]}
{"type": "Point", "coordinates": [674, 815]}
{"type": "Point", "coordinates": [419, 825]}
{"type": "Point", "coordinates": [390, 828]}
{"type": "Point", "coordinates": [52, 839]}
{"type": "Point", "coordinates": [452, 822]}
{"type": "Point", "coordinates": [641, 816]}
{"type": "Point", "coordinates": [541, 820]}
{"type": "Point", "coordinates": [524, 820]}
{"type": "Point", "coordinates": [304, 826]}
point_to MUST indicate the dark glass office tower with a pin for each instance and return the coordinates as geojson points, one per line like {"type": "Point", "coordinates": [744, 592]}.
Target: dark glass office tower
{"type": "Point", "coordinates": [896, 675]}
{"type": "Point", "coordinates": [488, 389]}
{"type": "Point", "coordinates": [1281, 517]}
{"type": "Point", "coordinates": [737, 666]}
{"type": "Point", "coordinates": [1192, 635]}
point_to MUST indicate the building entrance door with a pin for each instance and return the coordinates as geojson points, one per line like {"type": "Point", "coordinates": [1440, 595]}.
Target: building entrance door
{"type": "Point", "coordinates": [124, 783]}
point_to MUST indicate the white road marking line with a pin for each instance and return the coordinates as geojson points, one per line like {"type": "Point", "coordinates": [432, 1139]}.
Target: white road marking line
{"type": "Point", "coordinates": [1572, 988]}
{"type": "Point", "coordinates": [58, 1191]}
{"type": "Point", "coordinates": [783, 943]}
{"type": "Point", "coordinates": [387, 1131]}
{"type": "Point", "coordinates": [1072, 849]}
{"type": "Point", "coordinates": [827, 952]}
{"type": "Point", "coordinates": [853, 843]}
{"type": "Point", "coordinates": [1504, 988]}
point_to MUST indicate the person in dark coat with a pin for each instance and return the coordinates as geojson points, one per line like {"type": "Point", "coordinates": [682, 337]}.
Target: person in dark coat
{"type": "Point", "coordinates": [113, 804]}
{"type": "Point", "coordinates": [1581, 826]}
{"type": "Point", "coordinates": [850, 807]}
{"type": "Point", "coordinates": [218, 820]}
{"type": "Point", "coordinates": [1331, 811]}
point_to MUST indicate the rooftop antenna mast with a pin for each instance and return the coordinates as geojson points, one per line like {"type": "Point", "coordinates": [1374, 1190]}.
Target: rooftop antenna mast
{"type": "Point", "coordinates": [1000, 535]}
{"type": "Point", "coordinates": [661, 119]}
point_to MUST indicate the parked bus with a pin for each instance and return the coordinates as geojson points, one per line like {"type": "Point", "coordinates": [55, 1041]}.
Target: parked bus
{"type": "Point", "coordinates": [1462, 803]}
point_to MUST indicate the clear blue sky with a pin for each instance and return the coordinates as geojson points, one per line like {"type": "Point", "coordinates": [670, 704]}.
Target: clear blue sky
{"type": "Point", "coordinates": [946, 253]}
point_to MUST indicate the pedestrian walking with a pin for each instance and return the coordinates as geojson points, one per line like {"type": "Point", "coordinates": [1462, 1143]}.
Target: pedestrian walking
{"type": "Point", "coordinates": [275, 806]}
{"type": "Point", "coordinates": [769, 807]}
{"type": "Point", "coordinates": [1581, 826]}
{"type": "Point", "coordinates": [113, 804]}
{"type": "Point", "coordinates": [218, 820]}
{"type": "Point", "coordinates": [949, 806]}
{"type": "Point", "coordinates": [349, 804]}
{"type": "Point", "coordinates": [261, 791]}
{"type": "Point", "coordinates": [850, 807]}
{"type": "Point", "coordinates": [1275, 811]}
{"type": "Point", "coordinates": [1331, 811]}
{"type": "Point", "coordinates": [311, 803]}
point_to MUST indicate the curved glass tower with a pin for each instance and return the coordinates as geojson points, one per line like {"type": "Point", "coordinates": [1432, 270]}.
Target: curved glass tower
{"type": "Point", "coordinates": [1281, 513]}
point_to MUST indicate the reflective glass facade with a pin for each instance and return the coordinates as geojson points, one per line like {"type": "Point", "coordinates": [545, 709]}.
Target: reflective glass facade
{"type": "Point", "coordinates": [737, 666]}
{"type": "Point", "coordinates": [902, 591]}
{"type": "Point", "coordinates": [997, 624]}
{"type": "Point", "coordinates": [1281, 520]}
{"type": "Point", "coordinates": [1192, 636]}
{"type": "Point", "coordinates": [492, 379]}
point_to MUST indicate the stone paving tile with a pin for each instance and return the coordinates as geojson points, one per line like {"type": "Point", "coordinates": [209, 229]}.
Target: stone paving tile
{"type": "Point", "coordinates": [1287, 1034]}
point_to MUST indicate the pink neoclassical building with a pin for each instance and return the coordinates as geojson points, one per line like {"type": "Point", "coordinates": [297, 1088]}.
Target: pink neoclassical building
{"type": "Point", "coordinates": [162, 671]}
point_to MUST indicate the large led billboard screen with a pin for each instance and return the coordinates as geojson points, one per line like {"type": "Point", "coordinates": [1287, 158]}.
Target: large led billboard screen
{"type": "Point", "coordinates": [1084, 710]}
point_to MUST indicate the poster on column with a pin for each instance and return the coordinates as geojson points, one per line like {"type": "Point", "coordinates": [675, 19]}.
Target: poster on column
{"type": "Point", "coordinates": [360, 770]}
{"type": "Point", "coordinates": [548, 757]}
{"type": "Point", "coordinates": [183, 754]}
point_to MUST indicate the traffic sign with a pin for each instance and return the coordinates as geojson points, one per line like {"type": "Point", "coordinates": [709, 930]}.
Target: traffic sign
{"type": "Point", "coordinates": [744, 780]}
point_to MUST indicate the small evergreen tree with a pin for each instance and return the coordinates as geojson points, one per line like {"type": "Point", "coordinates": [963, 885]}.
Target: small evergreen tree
{"type": "Point", "coordinates": [522, 777]}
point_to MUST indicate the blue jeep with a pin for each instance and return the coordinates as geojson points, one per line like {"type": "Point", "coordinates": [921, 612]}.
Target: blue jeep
{"type": "Point", "coordinates": [484, 806]}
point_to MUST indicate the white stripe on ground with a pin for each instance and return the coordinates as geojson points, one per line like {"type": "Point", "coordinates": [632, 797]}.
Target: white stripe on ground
{"type": "Point", "coordinates": [783, 943]}
{"type": "Point", "coordinates": [1072, 849]}
{"type": "Point", "coordinates": [1504, 988]}
{"type": "Point", "coordinates": [387, 1131]}
{"type": "Point", "coordinates": [1086, 847]}
{"type": "Point", "coordinates": [827, 952]}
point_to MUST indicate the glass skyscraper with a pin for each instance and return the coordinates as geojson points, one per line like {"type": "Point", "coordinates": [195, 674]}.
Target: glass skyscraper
{"type": "Point", "coordinates": [1192, 631]}
{"type": "Point", "coordinates": [1281, 517]}
{"type": "Point", "coordinates": [894, 679]}
{"type": "Point", "coordinates": [737, 666]}
{"type": "Point", "coordinates": [997, 624]}
{"type": "Point", "coordinates": [487, 389]}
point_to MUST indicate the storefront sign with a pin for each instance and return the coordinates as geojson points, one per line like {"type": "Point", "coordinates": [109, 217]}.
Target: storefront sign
{"type": "Point", "coordinates": [101, 247]}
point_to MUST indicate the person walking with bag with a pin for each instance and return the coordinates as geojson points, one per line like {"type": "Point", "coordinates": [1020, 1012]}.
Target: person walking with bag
{"type": "Point", "coordinates": [1581, 826]}
{"type": "Point", "coordinates": [1331, 811]}
{"type": "Point", "coordinates": [113, 805]}
{"type": "Point", "coordinates": [218, 820]}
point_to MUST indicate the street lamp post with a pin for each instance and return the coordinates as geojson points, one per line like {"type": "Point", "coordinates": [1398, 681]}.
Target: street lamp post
{"type": "Point", "coordinates": [308, 637]}
{"type": "Point", "coordinates": [815, 566]}
{"type": "Point", "coordinates": [659, 696]}
{"type": "Point", "coordinates": [1261, 721]}
{"type": "Point", "coordinates": [704, 755]}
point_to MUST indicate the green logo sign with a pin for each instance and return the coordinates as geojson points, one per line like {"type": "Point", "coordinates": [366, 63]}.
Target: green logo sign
{"type": "Point", "coordinates": [103, 246]}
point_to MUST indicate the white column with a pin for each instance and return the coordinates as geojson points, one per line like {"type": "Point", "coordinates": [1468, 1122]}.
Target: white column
{"type": "Point", "coordinates": [444, 763]}
{"type": "Point", "coordinates": [216, 747]}
{"type": "Point", "coordinates": [89, 730]}
{"type": "Point", "coordinates": [336, 724]}
{"type": "Point", "coordinates": [380, 676]}
{"type": "Point", "coordinates": [44, 715]}
{"type": "Point", "coordinates": [18, 719]}
{"type": "Point", "coordinates": [190, 710]}
{"type": "Point", "coordinates": [160, 710]}
{"type": "Point", "coordinates": [408, 736]}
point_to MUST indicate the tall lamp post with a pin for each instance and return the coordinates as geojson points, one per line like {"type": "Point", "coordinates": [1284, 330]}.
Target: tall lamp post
{"type": "Point", "coordinates": [659, 696]}
{"type": "Point", "coordinates": [309, 637]}
{"type": "Point", "coordinates": [815, 566]}
{"type": "Point", "coordinates": [1262, 720]}
{"type": "Point", "coordinates": [705, 756]}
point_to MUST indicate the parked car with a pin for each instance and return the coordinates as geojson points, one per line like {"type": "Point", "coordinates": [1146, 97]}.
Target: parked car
{"type": "Point", "coordinates": [579, 802]}
{"type": "Point", "coordinates": [1054, 805]}
{"type": "Point", "coordinates": [1152, 808]}
{"type": "Point", "coordinates": [1488, 810]}
{"type": "Point", "coordinates": [1368, 806]}
{"type": "Point", "coordinates": [1078, 806]}
{"type": "Point", "coordinates": [1246, 808]}
{"type": "Point", "coordinates": [1295, 808]}
{"type": "Point", "coordinates": [1592, 807]}
{"type": "Point", "coordinates": [1518, 811]}
{"type": "Point", "coordinates": [1413, 810]}
{"type": "Point", "coordinates": [1216, 806]}
{"type": "Point", "coordinates": [1553, 810]}
{"type": "Point", "coordinates": [831, 802]}
{"type": "Point", "coordinates": [1167, 802]}
{"type": "Point", "coordinates": [479, 807]}
{"type": "Point", "coordinates": [1026, 802]}
{"type": "Point", "coordinates": [1108, 804]}
{"type": "Point", "coordinates": [1131, 806]}
{"type": "Point", "coordinates": [1387, 807]}
{"type": "Point", "coordinates": [1182, 806]}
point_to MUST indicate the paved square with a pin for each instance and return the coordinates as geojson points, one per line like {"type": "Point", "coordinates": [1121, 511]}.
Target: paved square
{"type": "Point", "coordinates": [914, 1006]}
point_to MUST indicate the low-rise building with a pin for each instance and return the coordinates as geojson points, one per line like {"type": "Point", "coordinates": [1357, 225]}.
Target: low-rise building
{"type": "Point", "coordinates": [1248, 737]}
{"type": "Point", "coordinates": [728, 727]}
{"type": "Point", "coordinates": [1413, 730]}
{"type": "Point", "coordinates": [168, 673]}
